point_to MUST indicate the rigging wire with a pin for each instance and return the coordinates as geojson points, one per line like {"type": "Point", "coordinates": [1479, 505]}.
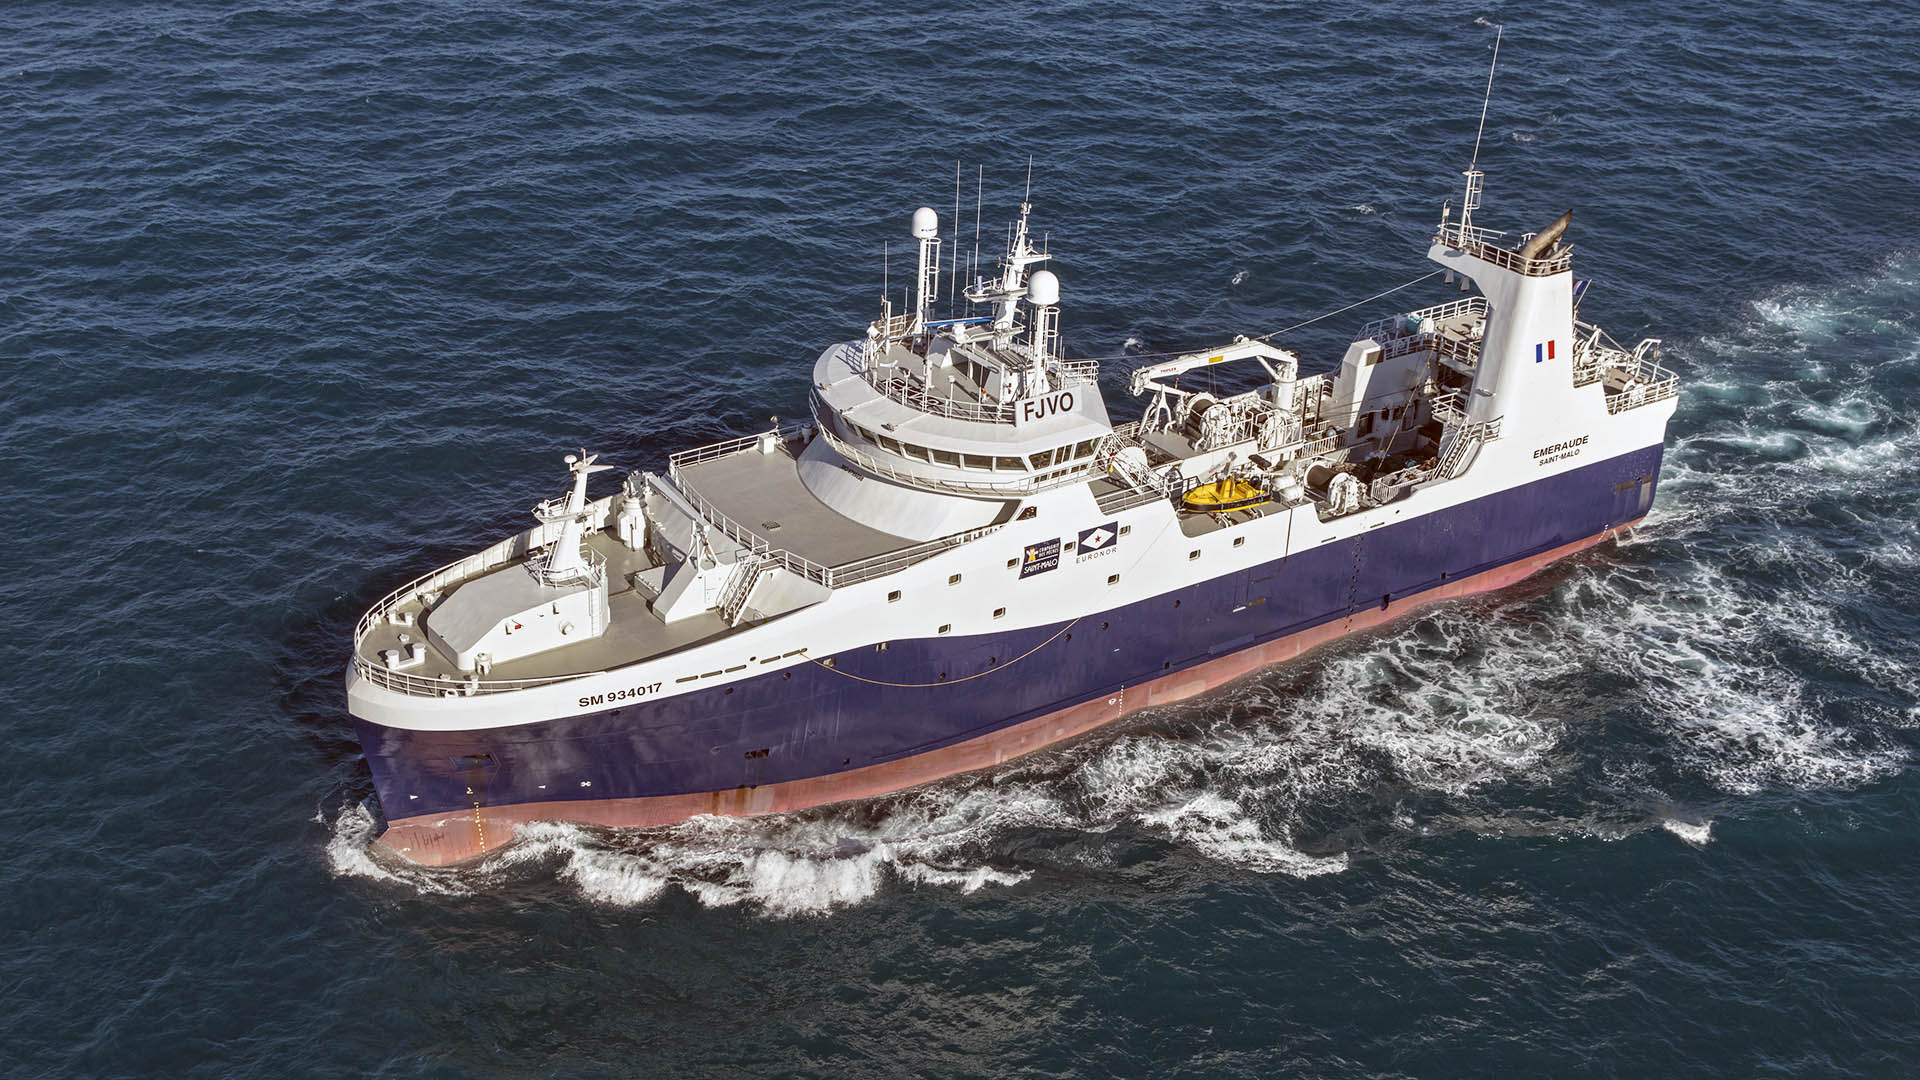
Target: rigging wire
{"type": "Point", "coordinates": [1284, 330]}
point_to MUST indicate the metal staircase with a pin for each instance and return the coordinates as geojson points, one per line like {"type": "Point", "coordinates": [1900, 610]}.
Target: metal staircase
{"type": "Point", "coordinates": [746, 574]}
{"type": "Point", "coordinates": [1463, 442]}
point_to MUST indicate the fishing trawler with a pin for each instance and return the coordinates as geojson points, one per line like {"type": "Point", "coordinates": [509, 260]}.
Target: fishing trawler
{"type": "Point", "coordinates": [959, 559]}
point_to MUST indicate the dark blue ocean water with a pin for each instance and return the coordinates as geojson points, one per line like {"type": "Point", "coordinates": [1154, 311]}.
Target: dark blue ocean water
{"type": "Point", "coordinates": [300, 300]}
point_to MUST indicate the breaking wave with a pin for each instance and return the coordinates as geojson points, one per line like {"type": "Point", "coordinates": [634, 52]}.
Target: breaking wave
{"type": "Point", "coordinates": [1732, 650]}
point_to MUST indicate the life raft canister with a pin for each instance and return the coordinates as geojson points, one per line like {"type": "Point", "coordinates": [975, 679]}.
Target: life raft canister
{"type": "Point", "coordinates": [1221, 496]}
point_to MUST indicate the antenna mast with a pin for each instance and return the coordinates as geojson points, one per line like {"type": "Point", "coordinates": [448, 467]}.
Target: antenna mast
{"type": "Point", "coordinates": [1471, 201]}
{"type": "Point", "coordinates": [979, 192]}
{"type": "Point", "coordinates": [953, 282]}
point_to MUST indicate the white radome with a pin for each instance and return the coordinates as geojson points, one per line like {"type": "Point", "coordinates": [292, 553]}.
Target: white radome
{"type": "Point", "coordinates": [926, 223]}
{"type": "Point", "coordinates": [1044, 289]}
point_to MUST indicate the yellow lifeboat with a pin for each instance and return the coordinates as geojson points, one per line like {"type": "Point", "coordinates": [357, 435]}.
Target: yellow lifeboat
{"type": "Point", "coordinates": [1222, 496]}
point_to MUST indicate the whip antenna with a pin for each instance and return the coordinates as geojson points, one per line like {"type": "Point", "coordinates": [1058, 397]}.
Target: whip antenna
{"type": "Point", "coordinates": [1498, 31]}
{"type": "Point", "coordinates": [953, 283]}
{"type": "Point", "coordinates": [1471, 200]}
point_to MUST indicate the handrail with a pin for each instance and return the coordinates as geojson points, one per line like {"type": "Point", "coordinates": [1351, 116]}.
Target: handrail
{"type": "Point", "coordinates": [1649, 381]}
{"type": "Point", "coordinates": [785, 433]}
{"type": "Point", "coordinates": [1449, 408]}
{"type": "Point", "coordinates": [887, 562]}
{"type": "Point", "coordinates": [517, 546]}
{"type": "Point", "coordinates": [908, 391]}
{"type": "Point", "coordinates": [746, 538]}
{"type": "Point", "coordinates": [592, 574]}
{"type": "Point", "coordinates": [746, 574]}
{"type": "Point", "coordinates": [446, 686]}
{"type": "Point", "coordinates": [1395, 326]}
{"type": "Point", "coordinates": [501, 553]}
{"type": "Point", "coordinates": [847, 573]}
{"type": "Point", "coordinates": [1480, 243]}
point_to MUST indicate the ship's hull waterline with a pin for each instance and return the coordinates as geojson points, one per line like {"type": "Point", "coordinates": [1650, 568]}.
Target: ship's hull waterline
{"type": "Point", "coordinates": [820, 734]}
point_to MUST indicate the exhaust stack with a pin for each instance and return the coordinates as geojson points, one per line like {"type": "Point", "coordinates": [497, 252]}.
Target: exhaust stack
{"type": "Point", "coordinates": [1545, 240]}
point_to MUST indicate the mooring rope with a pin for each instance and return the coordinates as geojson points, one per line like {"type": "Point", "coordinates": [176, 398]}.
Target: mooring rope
{"type": "Point", "coordinates": [945, 682]}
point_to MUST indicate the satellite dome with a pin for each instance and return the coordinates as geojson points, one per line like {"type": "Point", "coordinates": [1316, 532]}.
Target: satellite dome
{"type": "Point", "coordinates": [926, 223]}
{"type": "Point", "coordinates": [1044, 289]}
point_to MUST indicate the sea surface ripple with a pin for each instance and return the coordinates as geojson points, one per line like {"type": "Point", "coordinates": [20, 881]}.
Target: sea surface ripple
{"type": "Point", "coordinates": [300, 300]}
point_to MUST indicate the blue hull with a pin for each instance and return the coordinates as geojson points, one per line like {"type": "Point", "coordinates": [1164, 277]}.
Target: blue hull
{"type": "Point", "coordinates": [809, 721]}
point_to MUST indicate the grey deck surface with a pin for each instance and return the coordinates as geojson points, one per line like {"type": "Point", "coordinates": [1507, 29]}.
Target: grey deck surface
{"type": "Point", "coordinates": [634, 632]}
{"type": "Point", "coordinates": [763, 494]}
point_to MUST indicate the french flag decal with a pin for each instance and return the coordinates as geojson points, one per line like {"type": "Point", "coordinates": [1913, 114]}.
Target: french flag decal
{"type": "Point", "coordinates": [1543, 352]}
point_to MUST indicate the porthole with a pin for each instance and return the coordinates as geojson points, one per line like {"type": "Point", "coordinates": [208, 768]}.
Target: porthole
{"type": "Point", "coordinates": [1239, 541]}
{"type": "Point", "coordinates": [1113, 579]}
{"type": "Point", "coordinates": [893, 597]}
{"type": "Point", "coordinates": [999, 613]}
{"type": "Point", "coordinates": [1192, 555]}
{"type": "Point", "coordinates": [953, 579]}
{"type": "Point", "coordinates": [946, 628]}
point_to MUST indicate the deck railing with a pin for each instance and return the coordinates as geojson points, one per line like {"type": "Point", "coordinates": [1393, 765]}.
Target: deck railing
{"type": "Point", "coordinates": [831, 576]}
{"type": "Point", "coordinates": [1395, 326]}
{"type": "Point", "coordinates": [1489, 245]}
{"type": "Point", "coordinates": [752, 542]}
{"type": "Point", "coordinates": [910, 390]}
{"type": "Point", "coordinates": [1647, 380]}
{"type": "Point", "coordinates": [501, 554]}
{"type": "Point", "coordinates": [904, 388]}
{"type": "Point", "coordinates": [887, 562]}
{"type": "Point", "coordinates": [785, 433]}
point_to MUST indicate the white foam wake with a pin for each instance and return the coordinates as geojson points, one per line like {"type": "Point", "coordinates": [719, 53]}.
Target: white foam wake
{"type": "Point", "coordinates": [1697, 833]}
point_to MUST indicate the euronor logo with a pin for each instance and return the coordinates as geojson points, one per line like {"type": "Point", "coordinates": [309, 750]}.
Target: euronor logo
{"type": "Point", "coordinates": [1097, 537]}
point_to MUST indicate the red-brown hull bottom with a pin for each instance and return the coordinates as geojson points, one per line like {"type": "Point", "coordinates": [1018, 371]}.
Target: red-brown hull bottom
{"type": "Point", "coordinates": [446, 839]}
